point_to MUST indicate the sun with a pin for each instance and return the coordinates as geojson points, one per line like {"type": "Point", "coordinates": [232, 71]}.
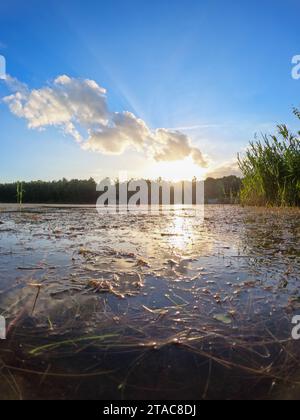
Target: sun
{"type": "Point", "coordinates": [176, 171]}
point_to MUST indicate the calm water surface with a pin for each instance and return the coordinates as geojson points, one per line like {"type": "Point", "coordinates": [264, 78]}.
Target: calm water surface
{"type": "Point", "coordinates": [149, 307]}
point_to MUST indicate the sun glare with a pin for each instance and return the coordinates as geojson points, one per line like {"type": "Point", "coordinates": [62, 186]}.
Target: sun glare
{"type": "Point", "coordinates": [175, 171]}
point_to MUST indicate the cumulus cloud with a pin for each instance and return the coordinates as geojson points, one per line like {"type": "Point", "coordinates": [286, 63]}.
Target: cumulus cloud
{"type": "Point", "coordinates": [124, 131]}
{"type": "Point", "coordinates": [199, 158]}
{"type": "Point", "coordinates": [171, 145]}
{"type": "Point", "coordinates": [79, 108]}
{"type": "Point", "coordinates": [66, 103]}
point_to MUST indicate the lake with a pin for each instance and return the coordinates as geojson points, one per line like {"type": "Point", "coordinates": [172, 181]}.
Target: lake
{"type": "Point", "coordinates": [166, 306]}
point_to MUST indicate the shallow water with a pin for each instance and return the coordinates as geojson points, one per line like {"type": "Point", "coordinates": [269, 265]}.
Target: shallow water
{"type": "Point", "coordinates": [161, 306]}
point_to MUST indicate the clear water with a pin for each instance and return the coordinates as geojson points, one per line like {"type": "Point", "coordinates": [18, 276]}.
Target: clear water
{"type": "Point", "coordinates": [149, 307]}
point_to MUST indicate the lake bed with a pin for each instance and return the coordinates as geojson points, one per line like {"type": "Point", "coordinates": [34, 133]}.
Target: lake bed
{"type": "Point", "coordinates": [162, 306]}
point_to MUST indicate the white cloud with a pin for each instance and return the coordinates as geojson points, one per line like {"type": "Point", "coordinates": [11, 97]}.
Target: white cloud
{"type": "Point", "coordinates": [67, 103]}
{"type": "Point", "coordinates": [125, 131]}
{"type": "Point", "coordinates": [15, 86]}
{"type": "Point", "coordinates": [79, 108]}
{"type": "Point", "coordinates": [173, 145]}
{"type": "Point", "coordinates": [199, 158]}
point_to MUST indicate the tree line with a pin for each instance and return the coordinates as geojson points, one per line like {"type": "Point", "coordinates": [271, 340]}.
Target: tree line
{"type": "Point", "coordinates": [224, 191]}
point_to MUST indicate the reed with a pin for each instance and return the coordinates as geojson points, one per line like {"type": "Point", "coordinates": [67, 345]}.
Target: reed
{"type": "Point", "coordinates": [20, 193]}
{"type": "Point", "coordinates": [271, 169]}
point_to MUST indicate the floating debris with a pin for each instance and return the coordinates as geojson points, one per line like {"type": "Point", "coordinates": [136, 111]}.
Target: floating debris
{"type": "Point", "coordinates": [120, 290]}
{"type": "Point", "coordinates": [142, 263]}
{"type": "Point", "coordinates": [170, 234]}
{"type": "Point", "coordinates": [104, 286]}
{"type": "Point", "coordinates": [84, 252]}
{"type": "Point", "coordinates": [156, 311]}
{"type": "Point", "coordinates": [225, 319]}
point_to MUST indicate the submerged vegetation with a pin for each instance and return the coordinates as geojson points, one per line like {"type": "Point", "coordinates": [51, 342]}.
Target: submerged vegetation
{"type": "Point", "coordinates": [271, 170]}
{"type": "Point", "coordinates": [160, 307]}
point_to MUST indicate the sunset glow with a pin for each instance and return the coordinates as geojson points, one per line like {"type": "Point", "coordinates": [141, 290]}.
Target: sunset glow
{"type": "Point", "coordinates": [176, 171]}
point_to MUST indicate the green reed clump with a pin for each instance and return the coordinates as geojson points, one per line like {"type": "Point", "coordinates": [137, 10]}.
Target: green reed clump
{"type": "Point", "coordinates": [20, 193]}
{"type": "Point", "coordinates": [271, 169]}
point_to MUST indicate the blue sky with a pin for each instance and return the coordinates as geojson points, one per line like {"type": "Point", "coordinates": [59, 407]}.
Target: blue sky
{"type": "Point", "coordinates": [218, 71]}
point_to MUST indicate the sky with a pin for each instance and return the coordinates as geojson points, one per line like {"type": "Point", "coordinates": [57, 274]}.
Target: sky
{"type": "Point", "coordinates": [155, 88]}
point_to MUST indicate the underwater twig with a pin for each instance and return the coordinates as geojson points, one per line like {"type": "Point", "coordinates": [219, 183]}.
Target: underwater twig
{"type": "Point", "coordinates": [38, 286]}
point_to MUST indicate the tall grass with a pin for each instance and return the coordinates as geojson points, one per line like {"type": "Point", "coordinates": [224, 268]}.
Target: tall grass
{"type": "Point", "coordinates": [271, 169]}
{"type": "Point", "coordinates": [20, 193]}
